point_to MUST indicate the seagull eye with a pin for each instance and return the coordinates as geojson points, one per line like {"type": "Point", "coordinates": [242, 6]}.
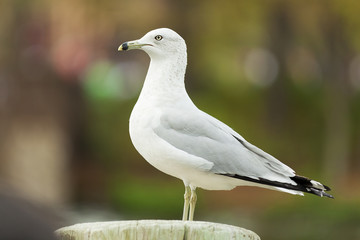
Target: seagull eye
{"type": "Point", "coordinates": [158, 37]}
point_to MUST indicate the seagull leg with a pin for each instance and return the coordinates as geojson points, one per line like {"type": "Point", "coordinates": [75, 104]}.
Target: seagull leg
{"type": "Point", "coordinates": [186, 203]}
{"type": "Point", "coordinates": [193, 199]}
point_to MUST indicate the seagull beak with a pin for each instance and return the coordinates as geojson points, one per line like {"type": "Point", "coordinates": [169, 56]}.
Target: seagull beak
{"type": "Point", "coordinates": [131, 45]}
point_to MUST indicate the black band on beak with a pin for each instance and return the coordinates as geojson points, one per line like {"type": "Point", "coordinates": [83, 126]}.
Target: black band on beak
{"type": "Point", "coordinates": [124, 46]}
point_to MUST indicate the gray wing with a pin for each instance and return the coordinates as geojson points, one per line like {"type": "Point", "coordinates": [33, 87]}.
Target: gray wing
{"type": "Point", "coordinates": [202, 135]}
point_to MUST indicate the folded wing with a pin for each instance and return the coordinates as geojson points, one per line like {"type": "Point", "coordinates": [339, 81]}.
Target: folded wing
{"type": "Point", "coordinates": [206, 137]}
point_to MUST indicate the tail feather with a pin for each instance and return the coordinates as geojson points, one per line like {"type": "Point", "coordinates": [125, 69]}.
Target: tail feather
{"type": "Point", "coordinates": [319, 193]}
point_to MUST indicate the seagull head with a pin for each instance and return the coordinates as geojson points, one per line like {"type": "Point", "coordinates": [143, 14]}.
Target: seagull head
{"type": "Point", "coordinates": [162, 42]}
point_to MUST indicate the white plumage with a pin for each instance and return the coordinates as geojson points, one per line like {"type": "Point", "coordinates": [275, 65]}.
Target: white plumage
{"type": "Point", "coordinates": [177, 138]}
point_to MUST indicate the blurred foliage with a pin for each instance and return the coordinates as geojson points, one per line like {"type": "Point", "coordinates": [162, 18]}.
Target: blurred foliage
{"type": "Point", "coordinates": [139, 197]}
{"type": "Point", "coordinates": [282, 73]}
{"type": "Point", "coordinates": [102, 80]}
{"type": "Point", "coordinates": [312, 219]}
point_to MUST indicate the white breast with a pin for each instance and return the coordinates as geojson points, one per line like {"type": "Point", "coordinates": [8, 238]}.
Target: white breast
{"type": "Point", "coordinates": [157, 151]}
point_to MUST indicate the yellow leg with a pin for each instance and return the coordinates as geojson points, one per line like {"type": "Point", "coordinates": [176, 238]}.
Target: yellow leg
{"type": "Point", "coordinates": [186, 203]}
{"type": "Point", "coordinates": [193, 199]}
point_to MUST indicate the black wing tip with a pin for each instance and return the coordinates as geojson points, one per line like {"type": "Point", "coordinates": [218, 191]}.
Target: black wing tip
{"type": "Point", "coordinates": [327, 188]}
{"type": "Point", "coordinates": [310, 188]}
{"type": "Point", "coordinates": [304, 184]}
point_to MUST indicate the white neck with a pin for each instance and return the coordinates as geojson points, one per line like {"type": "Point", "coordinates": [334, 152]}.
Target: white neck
{"type": "Point", "coordinates": [165, 78]}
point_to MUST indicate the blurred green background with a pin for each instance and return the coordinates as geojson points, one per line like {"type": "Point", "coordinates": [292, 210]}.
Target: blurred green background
{"type": "Point", "coordinates": [284, 74]}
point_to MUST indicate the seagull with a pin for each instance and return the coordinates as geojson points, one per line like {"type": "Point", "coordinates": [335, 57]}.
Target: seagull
{"type": "Point", "coordinates": [177, 138]}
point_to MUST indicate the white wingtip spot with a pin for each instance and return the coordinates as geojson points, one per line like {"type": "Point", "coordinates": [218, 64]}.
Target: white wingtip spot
{"type": "Point", "coordinates": [317, 184]}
